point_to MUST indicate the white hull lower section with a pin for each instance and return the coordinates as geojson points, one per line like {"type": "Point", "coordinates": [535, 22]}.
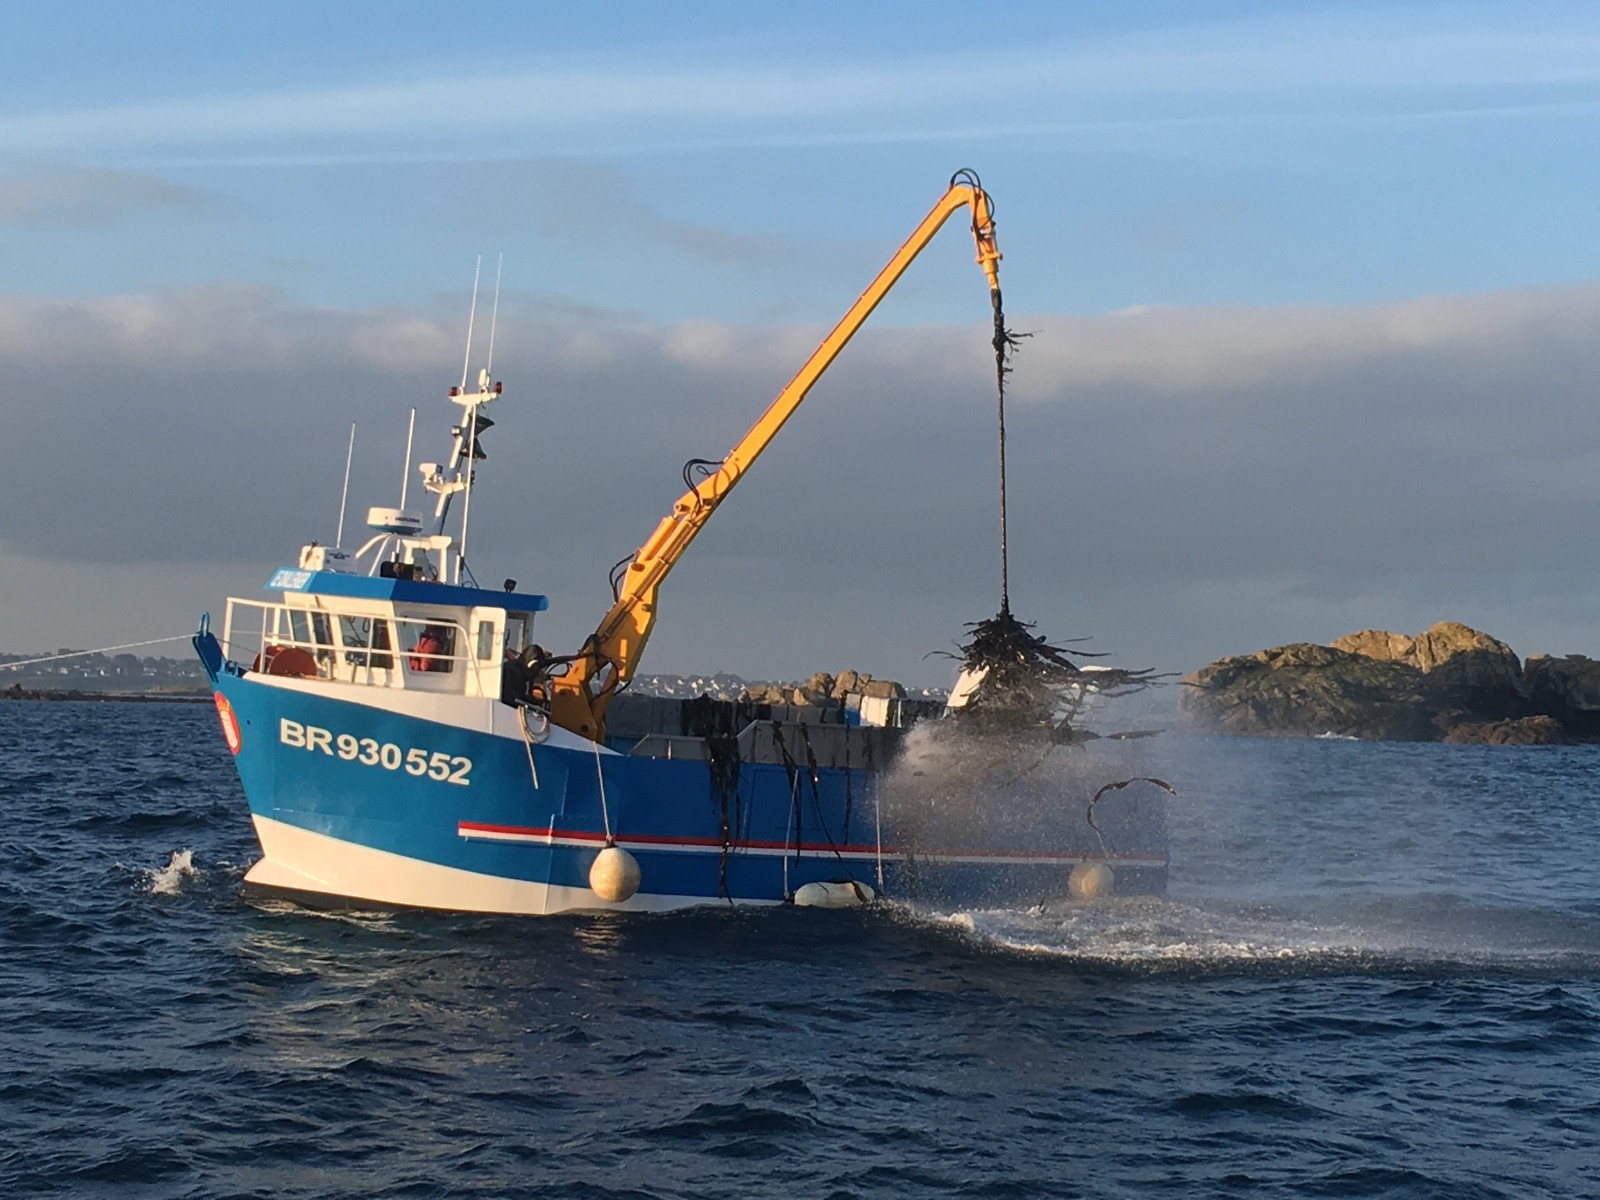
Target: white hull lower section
{"type": "Point", "coordinates": [298, 860]}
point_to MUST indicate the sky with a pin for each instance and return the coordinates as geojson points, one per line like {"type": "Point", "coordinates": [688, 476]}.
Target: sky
{"type": "Point", "coordinates": [1313, 291]}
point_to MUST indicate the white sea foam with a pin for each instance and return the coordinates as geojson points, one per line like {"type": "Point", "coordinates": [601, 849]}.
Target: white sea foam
{"type": "Point", "coordinates": [1147, 930]}
{"type": "Point", "coordinates": [168, 881]}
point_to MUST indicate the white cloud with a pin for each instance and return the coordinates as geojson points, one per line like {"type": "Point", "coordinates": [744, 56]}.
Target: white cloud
{"type": "Point", "coordinates": [1185, 482]}
{"type": "Point", "coordinates": [1152, 348]}
{"type": "Point", "coordinates": [64, 195]}
{"type": "Point", "coordinates": [577, 199]}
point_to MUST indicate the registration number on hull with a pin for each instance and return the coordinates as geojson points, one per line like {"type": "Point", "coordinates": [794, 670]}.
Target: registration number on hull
{"type": "Point", "coordinates": [435, 764]}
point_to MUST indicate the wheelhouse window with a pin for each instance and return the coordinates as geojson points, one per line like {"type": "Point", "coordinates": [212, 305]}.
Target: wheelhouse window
{"type": "Point", "coordinates": [363, 634]}
{"type": "Point", "coordinates": [430, 647]}
{"type": "Point", "coordinates": [322, 633]}
{"type": "Point", "coordinates": [309, 631]}
{"type": "Point", "coordinates": [516, 639]}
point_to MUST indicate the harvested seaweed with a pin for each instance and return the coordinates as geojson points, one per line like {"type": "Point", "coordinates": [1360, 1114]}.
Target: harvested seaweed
{"type": "Point", "coordinates": [1117, 787]}
{"type": "Point", "coordinates": [1013, 680]}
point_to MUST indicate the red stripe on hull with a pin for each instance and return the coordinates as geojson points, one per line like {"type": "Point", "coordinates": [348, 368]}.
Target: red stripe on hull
{"type": "Point", "coordinates": [550, 833]}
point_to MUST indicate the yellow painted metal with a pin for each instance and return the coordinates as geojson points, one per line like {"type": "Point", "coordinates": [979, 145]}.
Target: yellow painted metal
{"type": "Point", "coordinates": [579, 699]}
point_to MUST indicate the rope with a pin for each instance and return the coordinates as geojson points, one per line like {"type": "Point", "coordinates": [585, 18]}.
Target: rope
{"type": "Point", "coordinates": [528, 739]}
{"type": "Point", "coordinates": [877, 814]}
{"type": "Point", "coordinates": [794, 807]}
{"type": "Point", "coordinates": [722, 753]}
{"type": "Point", "coordinates": [848, 797]}
{"type": "Point", "coordinates": [28, 662]}
{"type": "Point", "coordinates": [816, 797]}
{"type": "Point", "coordinates": [791, 770]}
{"type": "Point", "coordinates": [605, 814]}
{"type": "Point", "coordinates": [870, 782]}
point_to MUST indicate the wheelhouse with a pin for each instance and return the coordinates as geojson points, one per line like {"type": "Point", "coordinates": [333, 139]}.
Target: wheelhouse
{"type": "Point", "coordinates": [379, 631]}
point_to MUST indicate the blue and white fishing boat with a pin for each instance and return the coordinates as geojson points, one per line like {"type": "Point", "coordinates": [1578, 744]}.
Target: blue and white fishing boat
{"type": "Point", "coordinates": [403, 740]}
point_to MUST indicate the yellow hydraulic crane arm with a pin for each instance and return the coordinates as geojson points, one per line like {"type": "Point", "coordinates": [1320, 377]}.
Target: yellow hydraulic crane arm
{"type": "Point", "coordinates": [579, 698]}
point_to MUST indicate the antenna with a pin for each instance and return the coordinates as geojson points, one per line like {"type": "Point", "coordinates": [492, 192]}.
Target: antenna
{"type": "Point", "coordinates": [494, 318]}
{"type": "Point", "coordinates": [338, 541]}
{"type": "Point", "coordinates": [405, 469]}
{"type": "Point", "coordinates": [466, 501]}
{"type": "Point", "coordinates": [472, 409]}
{"type": "Point", "coordinates": [472, 315]}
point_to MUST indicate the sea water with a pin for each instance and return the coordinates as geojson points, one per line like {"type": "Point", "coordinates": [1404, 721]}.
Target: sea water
{"type": "Point", "coordinates": [1377, 973]}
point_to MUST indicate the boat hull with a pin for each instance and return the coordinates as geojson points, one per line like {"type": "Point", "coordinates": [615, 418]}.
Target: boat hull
{"type": "Point", "coordinates": [380, 798]}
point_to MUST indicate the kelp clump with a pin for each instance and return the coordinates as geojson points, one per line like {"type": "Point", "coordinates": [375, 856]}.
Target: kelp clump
{"type": "Point", "coordinates": [1013, 680]}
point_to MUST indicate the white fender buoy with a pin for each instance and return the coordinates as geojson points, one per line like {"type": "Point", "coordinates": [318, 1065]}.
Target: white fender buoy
{"type": "Point", "coordinates": [835, 893]}
{"type": "Point", "coordinates": [614, 876]}
{"type": "Point", "coordinates": [1090, 879]}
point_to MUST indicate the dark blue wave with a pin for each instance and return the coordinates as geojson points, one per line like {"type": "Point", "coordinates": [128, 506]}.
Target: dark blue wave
{"type": "Point", "coordinates": [1432, 1030]}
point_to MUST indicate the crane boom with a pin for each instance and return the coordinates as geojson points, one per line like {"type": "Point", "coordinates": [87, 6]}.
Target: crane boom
{"type": "Point", "coordinates": [579, 698]}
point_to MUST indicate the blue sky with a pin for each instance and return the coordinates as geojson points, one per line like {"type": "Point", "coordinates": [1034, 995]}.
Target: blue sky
{"type": "Point", "coordinates": [1248, 233]}
{"type": "Point", "coordinates": [749, 162]}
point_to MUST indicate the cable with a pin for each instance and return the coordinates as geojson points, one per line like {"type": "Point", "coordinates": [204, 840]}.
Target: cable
{"type": "Point", "coordinates": [706, 466]}
{"type": "Point", "coordinates": [605, 813]}
{"type": "Point", "coordinates": [28, 662]}
{"type": "Point", "coordinates": [529, 738]}
{"type": "Point", "coordinates": [615, 575]}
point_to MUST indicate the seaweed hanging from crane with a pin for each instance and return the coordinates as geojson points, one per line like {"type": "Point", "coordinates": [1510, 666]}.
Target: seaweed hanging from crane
{"type": "Point", "coordinates": [1013, 678]}
{"type": "Point", "coordinates": [1005, 342]}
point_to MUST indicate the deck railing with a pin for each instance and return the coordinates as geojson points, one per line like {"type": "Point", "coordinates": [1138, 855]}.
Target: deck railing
{"type": "Point", "coordinates": [374, 658]}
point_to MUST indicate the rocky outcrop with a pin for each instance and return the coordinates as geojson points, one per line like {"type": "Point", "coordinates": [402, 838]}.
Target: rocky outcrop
{"type": "Point", "coordinates": [1379, 644]}
{"type": "Point", "coordinates": [1303, 690]}
{"type": "Point", "coordinates": [1567, 688]}
{"type": "Point", "coordinates": [1466, 668]}
{"type": "Point", "coordinates": [1526, 731]}
{"type": "Point", "coordinates": [1450, 683]}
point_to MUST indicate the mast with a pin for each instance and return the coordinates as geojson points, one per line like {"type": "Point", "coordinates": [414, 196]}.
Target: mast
{"type": "Point", "coordinates": [465, 451]}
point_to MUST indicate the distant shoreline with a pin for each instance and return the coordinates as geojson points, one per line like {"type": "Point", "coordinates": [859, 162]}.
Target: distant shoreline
{"type": "Point", "coordinates": [22, 693]}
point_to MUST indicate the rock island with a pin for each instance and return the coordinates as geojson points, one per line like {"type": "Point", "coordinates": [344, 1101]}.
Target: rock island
{"type": "Point", "coordinates": [1450, 683]}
